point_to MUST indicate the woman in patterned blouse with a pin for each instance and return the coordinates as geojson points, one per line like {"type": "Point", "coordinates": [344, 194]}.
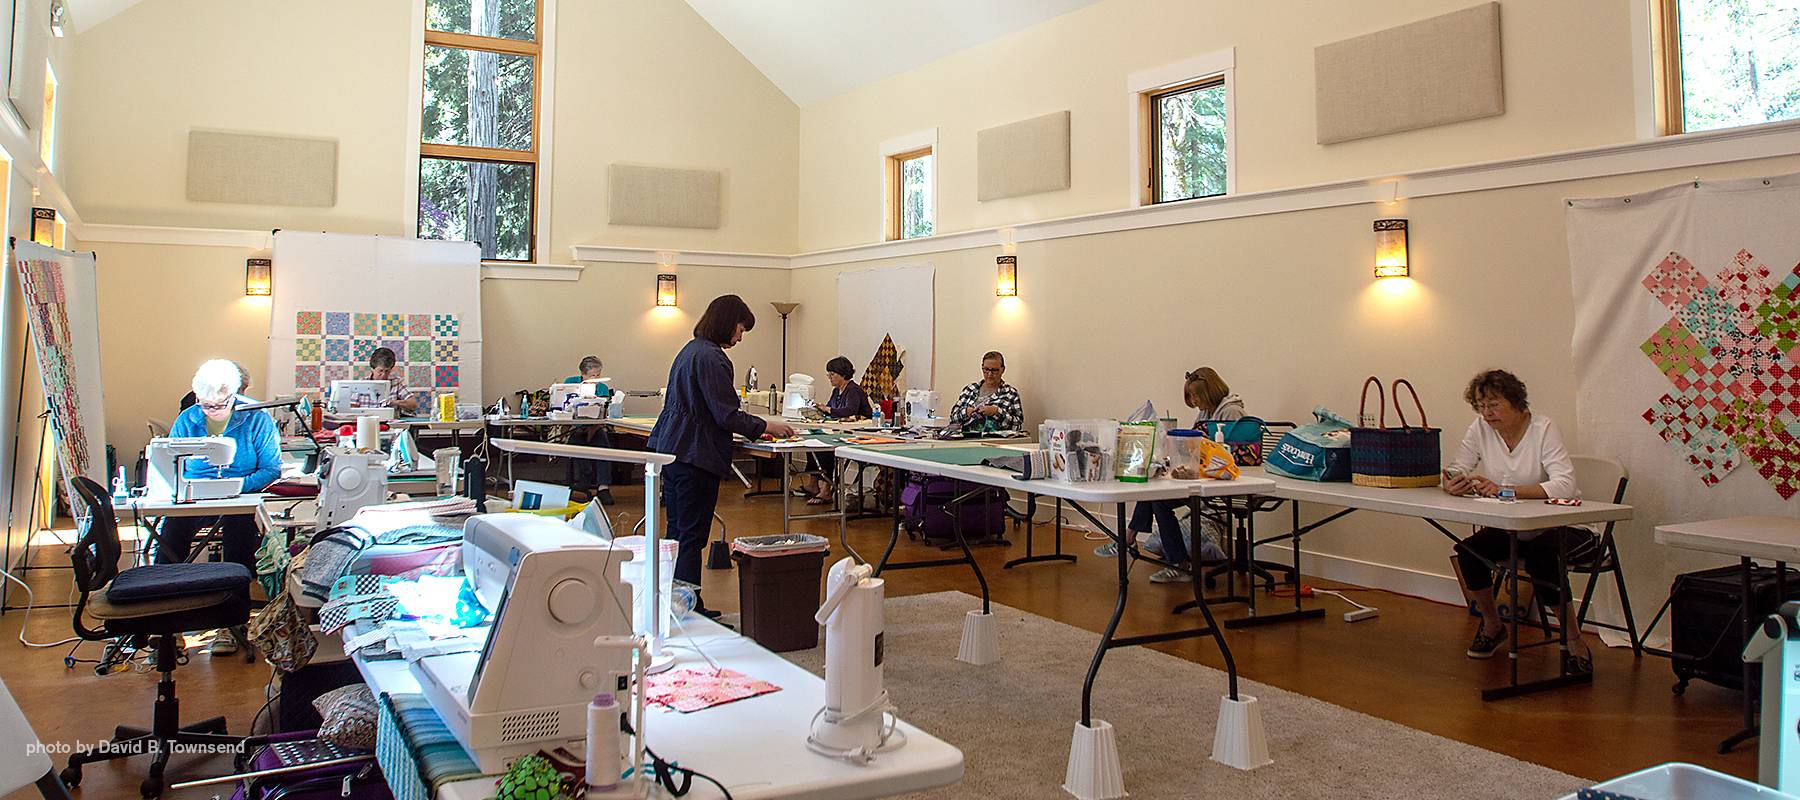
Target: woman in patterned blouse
{"type": "Point", "coordinates": [989, 404]}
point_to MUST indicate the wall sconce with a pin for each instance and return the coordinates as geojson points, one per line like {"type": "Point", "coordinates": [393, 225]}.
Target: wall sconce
{"type": "Point", "coordinates": [665, 290]}
{"type": "Point", "coordinates": [1006, 280]}
{"type": "Point", "coordinates": [1390, 248]}
{"type": "Point", "coordinates": [259, 277]}
{"type": "Point", "coordinates": [43, 226]}
{"type": "Point", "coordinates": [59, 18]}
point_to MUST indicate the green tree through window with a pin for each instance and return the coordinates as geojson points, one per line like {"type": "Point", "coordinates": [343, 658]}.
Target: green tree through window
{"type": "Point", "coordinates": [1190, 142]}
{"type": "Point", "coordinates": [1739, 62]}
{"type": "Point", "coordinates": [915, 197]}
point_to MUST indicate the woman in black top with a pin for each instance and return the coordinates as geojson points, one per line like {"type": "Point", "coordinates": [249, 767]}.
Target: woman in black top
{"type": "Point", "coordinates": [699, 415]}
{"type": "Point", "coordinates": [847, 401]}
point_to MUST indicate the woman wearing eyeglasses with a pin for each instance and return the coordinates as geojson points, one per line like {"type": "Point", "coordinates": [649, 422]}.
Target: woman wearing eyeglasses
{"type": "Point", "coordinates": [989, 404]}
{"type": "Point", "coordinates": [257, 462]}
{"type": "Point", "coordinates": [1509, 445]}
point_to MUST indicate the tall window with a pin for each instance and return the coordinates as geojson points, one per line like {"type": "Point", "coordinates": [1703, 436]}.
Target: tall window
{"type": "Point", "coordinates": [910, 206]}
{"type": "Point", "coordinates": [478, 149]}
{"type": "Point", "coordinates": [1727, 63]}
{"type": "Point", "coordinates": [1185, 141]}
{"type": "Point", "coordinates": [47, 131]}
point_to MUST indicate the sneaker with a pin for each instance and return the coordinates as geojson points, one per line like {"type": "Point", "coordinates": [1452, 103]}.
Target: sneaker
{"type": "Point", "coordinates": [1485, 646]}
{"type": "Point", "coordinates": [223, 644]}
{"type": "Point", "coordinates": [1108, 550]}
{"type": "Point", "coordinates": [1170, 575]}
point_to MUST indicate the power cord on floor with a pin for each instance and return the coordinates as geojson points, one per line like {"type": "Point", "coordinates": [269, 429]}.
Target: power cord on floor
{"type": "Point", "coordinates": [1360, 613]}
{"type": "Point", "coordinates": [31, 599]}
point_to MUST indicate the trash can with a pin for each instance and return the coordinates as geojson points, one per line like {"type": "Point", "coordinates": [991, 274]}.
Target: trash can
{"type": "Point", "coordinates": [778, 589]}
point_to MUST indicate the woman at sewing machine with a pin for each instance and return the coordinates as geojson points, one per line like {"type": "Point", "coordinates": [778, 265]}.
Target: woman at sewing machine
{"type": "Point", "coordinates": [989, 404]}
{"type": "Point", "coordinates": [847, 401]}
{"type": "Point", "coordinates": [258, 463]}
{"type": "Point", "coordinates": [700, 413]}
{"type": "Point", "coordinates": [595, 473]}
{"type": "Point", "coordinates": [381, 368]}
{"type": "Point", "coordinates": [591, 371]}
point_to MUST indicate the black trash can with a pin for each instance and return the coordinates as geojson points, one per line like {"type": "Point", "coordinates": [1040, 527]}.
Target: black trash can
{"type": "Point", "coordinates": [778, 595]}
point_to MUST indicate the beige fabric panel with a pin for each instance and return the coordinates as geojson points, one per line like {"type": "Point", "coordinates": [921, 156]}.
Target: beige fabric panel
{"type": "Point", "coordinates": [662, 197]}
{"type": "Point", "coordinates": [1432, 72]}
{"type": "Point", "coordinates": [258, 169]}
{"type": "Point", "coordinates": [1021, 158]}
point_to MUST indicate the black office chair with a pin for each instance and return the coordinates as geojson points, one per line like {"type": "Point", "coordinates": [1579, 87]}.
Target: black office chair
{"type": "Point", "coordinates": [150, 604]}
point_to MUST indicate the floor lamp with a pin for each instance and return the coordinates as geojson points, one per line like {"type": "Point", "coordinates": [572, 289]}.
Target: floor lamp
{"type": "Point", "coordinates": [784, 309]}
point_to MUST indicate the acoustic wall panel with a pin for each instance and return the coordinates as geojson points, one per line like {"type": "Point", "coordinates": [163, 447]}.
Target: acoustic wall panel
{"type": "Point", "coordinates": [662, 197]}
{"type": "Point", "coordinates": [1025, 157]}
{"type": "Point", "coordinates": [259, 169]}
{"type": "Point", "coordinates": [1431, 72]}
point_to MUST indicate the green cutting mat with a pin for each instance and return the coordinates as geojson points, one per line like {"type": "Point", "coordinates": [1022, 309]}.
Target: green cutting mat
{"type": "Point", "coordinates": [960, 456]}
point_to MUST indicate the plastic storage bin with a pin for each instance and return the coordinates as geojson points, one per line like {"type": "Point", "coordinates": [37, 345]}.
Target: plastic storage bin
{"type": "Point", "coordinates": [1676, 781]}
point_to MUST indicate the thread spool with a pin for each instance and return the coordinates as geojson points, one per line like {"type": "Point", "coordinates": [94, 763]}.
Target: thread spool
{"type": "Point", "coordinates": [368, 433]}
{"type": "Point", "coordinates": [603, 743]}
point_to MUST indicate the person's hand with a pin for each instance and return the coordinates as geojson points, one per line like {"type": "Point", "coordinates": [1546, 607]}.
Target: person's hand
{"type": "Point", "coordinates": [778, 430]}
{"type": "Point", "coordinates": [1457, 484]}
{"type": "Point", "coordinates": [990, 410]}
{"type": "Point", "coordinates": [1483, 487]}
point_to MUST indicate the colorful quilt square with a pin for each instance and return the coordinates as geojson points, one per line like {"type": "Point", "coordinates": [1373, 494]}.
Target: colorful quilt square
{"type": "Point", "coordinates": [360, 349]}
{"type": "Point", "coordinates": [1674, 349]}
{"type": "Point", "coordinates": [445, 326]}
{"type": "Point", "coordinates": [418, 351]}
{"type": "Point", "coordinates": [1745, 287]}
{"type": "Point", "coordinates": [447, 376]}
{"type": "Point", "coordinates": [418, 375]}
{"type": "Point", "coordinates": [337, 351]}
{"type": "Point", "coordinates": [308, 351]}
{"type": "Point", "coordinates": [393, 325]}
{"type": "Point", "coordinates": [1675, 281]}
{"type": "Point", "coordinates": [445, 350]}
{"type": "Point", "coordinates": [1779, 316]}
{"type": "Point", "coordinates": [397, 347]}
{"type": "Point", "coordinates": [418, 325]}
{"type": "Point", "coordinates": [1777, 459]}
{"type": "Point", "coordinates": [306, 376]}
{"type": "Point", "coordinates": [364, 324]}
{"type": "Point", "coordinates": [337, 323]}
{"type": "Point", "coordinates": [1708, 316]}
{"type": "Point", "coordinates": [335, 372]}
{"type": "Point", "coordinates": [1688, 427]}
{"type": "Point", "coordinates": [308, 323]}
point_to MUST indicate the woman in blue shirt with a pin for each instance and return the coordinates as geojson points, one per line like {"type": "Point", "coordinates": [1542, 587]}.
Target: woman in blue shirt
{"type": "Point", "coordinates": [848, 400]}
{"type": "Point", "coordinates": [700, 413]}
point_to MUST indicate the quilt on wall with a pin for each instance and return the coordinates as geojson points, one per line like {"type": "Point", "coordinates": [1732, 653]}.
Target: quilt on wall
{"type": "Point", "coordinates": [335, 345]}
{"type": "Point", "coordinates": [62, 309]}
{"type": "Point", "coordinates": [1686, 346]}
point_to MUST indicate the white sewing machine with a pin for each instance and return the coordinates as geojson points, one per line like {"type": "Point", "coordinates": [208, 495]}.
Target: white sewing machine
{"type": "Point", "coordinates": [360, 399]}
{"type": "Point", "coordinates": [561, 634]}
{"type": "Point", "coordinates": [797, 397]}
{"type": "Point", "coordinates": [348, 481]}
{"type": "Point", "coordinates": [580, 399]}
{"type": "Point", "coordinates": [166, 483]}
{"type": "Point", "coordinates": [922, 409]}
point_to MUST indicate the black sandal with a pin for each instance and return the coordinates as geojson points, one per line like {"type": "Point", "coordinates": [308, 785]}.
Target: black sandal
{"type": "Point", "coordinates": [1578, 665]}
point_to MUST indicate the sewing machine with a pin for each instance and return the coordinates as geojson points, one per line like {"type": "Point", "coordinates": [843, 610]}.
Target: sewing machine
{"type": "Point", "coordinates": [1776, 644]}
{"type": "Point", "coordinates": [561, 634]}
{"type": "Point", "coordinates": [166, 481]}
{"type": "Point", "coordinates": [580, 399]}
{"type": "Point", "coordinates": [797, 397]}
{"type": "Point", "coordinates": [921, 409]}
{"type": "Point", "coordinates": [349, 480]}
{"type": "Point", "coordinates": [360, 399]}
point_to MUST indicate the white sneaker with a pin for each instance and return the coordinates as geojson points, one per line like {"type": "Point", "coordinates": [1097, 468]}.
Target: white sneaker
{"type": "Point", "coordinates": [222, 644]}
{"type": "Point", "coordinates": [1170, 575]}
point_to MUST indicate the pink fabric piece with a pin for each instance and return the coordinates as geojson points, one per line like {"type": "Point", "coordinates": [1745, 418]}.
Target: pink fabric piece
{"type": "Point", "coordinates": [688, 690]}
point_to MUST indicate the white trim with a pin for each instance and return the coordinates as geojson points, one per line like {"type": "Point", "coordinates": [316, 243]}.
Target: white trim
{"type": "Point", "coordinates": [415, 117]}
{"type": "Point", "coordinates": [1220, 63]}
{"type": "Point", "coordinates": [546, 113]}
{"type": "Point", "coordinates": [151, 234]}
{"type": "Point", "coordinates": [1643, 68]}
{"type": "Point", "coordinates": [895, 146]}
{"type": "Point", "coordinates": [644, 255]}
{"type": "Point", "coordinates": [531, 272]}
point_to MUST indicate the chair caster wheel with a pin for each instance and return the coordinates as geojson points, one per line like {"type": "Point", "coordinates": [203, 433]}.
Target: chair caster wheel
{"type": "Point", "coordinates": [71, 776]}
{"type": "Point", "coordinates": [1679, 689]}
{"type": "Point", "coordinates": [150, 788]}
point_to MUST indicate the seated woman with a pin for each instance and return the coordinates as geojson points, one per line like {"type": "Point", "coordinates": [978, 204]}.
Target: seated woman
{"type": "Point", "coordinates": [257, 462]}
{"type": "Point", "coordinates": [593, 473]}
{"type": "Point", "coordinates": [847, 400]}
{"type": "Point", "coordinates": [989, 404]}
{"type": "Point", "coordinates": [1204, 390]}
{"type": "Point", "coordinates": [1509, 444]}
{"type": "Point", "coordinates": [591, 371]}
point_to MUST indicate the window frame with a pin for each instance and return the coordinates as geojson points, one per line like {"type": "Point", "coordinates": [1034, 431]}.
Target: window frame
{"type": "Point", "coordinates": [893, 152]}
{"type": "Point", "coordinates": [896, 193]}
{"type": "Point", "coordinates": [1668, 114]}
{"type": "Point", "coordinates": [1142, 87]}
{"type": "Point", "coordinates": [538, 51]}
{"type": "Point", "coordinates": [1151, 121]}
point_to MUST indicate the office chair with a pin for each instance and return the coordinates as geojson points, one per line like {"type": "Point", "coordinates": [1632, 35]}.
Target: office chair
{"type": "Point", "coordinates": [150, 604]}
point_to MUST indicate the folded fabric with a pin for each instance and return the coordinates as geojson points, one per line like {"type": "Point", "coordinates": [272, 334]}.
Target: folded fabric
{"type": "Point", "coordinates": [332, 554]}
{"type": "Point", "coordinates": [163, 581]}
{"type": "Point", "coordinates": [349, 714]}
{"type": "Point", "coordinates": [335, 614]}
{"type": "Point", "coordinates": [1029, 465]}
{"type": "Point", "coordinates": [688, 690]}
{"type": "Point", "coordinates": [425, 737]}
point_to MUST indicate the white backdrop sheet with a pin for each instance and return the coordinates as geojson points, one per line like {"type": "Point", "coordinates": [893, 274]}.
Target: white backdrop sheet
{"type": "Point", "coordinates": [1687, 317]}
{"type": "Point", "coordinates": [888, 301]}
{"type": "Point", "coordinates": [62, 304]}
{"type": "Point", "coordinates": [339, 296]}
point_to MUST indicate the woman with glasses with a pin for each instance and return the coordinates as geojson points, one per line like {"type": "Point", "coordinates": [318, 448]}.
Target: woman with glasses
{"type": "Point", "coordinates": [257, 462]}
{"type": "Point", "coordinates": [1508, 445]}
{"type": "Point", "coordinates": [989, 404]}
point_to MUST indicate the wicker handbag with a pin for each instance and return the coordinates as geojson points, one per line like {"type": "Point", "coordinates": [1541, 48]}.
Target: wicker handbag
{"type": "Point", "coordinates": [1393, 458]}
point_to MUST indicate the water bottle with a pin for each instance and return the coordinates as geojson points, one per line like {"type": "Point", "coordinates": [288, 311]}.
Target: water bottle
{"type": "Point", "coordinates": [1509, 492]}
{"type": "Point", "coordinates": [875, 415]}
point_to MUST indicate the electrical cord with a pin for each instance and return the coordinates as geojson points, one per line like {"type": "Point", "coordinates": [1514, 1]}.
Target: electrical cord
{"type": "Point", "coordinates": [664, 772]}
{"type": "Point", "coordinates": [30, 600]}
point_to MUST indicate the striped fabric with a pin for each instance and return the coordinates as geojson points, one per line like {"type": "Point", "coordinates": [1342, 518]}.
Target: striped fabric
{"type": "Point", "coordinates": [416, 750]}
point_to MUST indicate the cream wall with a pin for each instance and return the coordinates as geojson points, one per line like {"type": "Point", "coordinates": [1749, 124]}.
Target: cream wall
{"type": "Point", "coordinates": [1286, 308]}
{"type": "Point", "coordinates": [1567, 75]}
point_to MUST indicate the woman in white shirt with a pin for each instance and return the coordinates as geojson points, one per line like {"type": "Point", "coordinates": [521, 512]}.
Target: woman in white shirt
{"type": "Point", "coordinates": [1508, 444]}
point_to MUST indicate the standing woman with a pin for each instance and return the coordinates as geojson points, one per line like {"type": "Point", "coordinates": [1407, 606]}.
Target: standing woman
{"type": "Point", "coordinates": [699, 415]}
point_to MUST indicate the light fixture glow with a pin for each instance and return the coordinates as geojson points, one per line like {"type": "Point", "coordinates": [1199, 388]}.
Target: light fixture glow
{"type": "Point", "coordinates": [1390, 249]}
{"type": "Point", "coordinates": [259, 277]}
{"type": "Point", "coordinates": [1006, 281]}
{"type": "Point", "coordinates": [665, 289]}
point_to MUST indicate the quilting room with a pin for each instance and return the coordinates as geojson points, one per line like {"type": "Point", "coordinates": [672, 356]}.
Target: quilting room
{"type": "Point", "coordinates": [734, 399]}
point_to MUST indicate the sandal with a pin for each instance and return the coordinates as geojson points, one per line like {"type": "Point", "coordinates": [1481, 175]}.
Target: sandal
{"type": "Point", "coordinates": [1578, 665]}
{"type": "Point", "coordinates": [818, 501]}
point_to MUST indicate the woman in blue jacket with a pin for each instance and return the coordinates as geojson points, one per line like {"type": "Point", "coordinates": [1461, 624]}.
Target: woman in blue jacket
{"type": "Point", "coordinates": [700, 413]}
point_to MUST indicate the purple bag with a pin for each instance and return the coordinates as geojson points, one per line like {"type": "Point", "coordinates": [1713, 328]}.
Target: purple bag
{"type": "Point", "coordinates": [360, 780]}
{"type": "Point", "coordinates": [928, 508]}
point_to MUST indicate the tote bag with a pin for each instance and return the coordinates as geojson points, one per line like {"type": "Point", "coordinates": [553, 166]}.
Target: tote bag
{"type": "Point", "coordinates": [1316, 451]}
{"type": "Point", "coordinates": [1394, 458]}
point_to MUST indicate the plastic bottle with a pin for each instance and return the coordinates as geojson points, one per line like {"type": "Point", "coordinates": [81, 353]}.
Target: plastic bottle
{"type": "Point", "coordinates": [875, 415]}
{"type": "Point", "coordinates": [1509, 492]}
{"type": "Point", "coordinates": [603, 748]}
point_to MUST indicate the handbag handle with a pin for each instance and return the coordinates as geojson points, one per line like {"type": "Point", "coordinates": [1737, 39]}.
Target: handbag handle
{"type": "Point", "coordinates": [1399, 382]}
{"type": "Point", "coordinates": [1362, 405]}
